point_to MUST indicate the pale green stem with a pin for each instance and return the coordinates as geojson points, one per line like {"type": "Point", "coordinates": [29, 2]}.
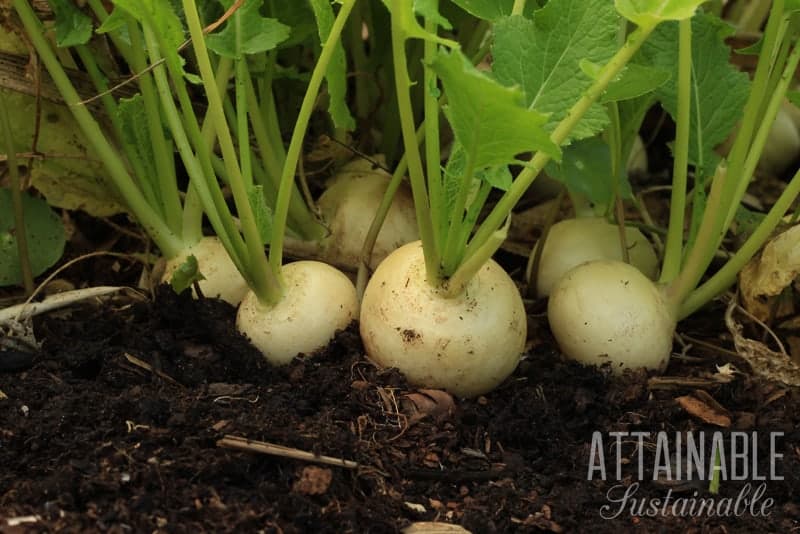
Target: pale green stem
{"type": "Point", "coordinates": [774, 102]}
{"type": "Point", "coordinates": [164, 160]}
{"type": "Point", "coordinates": [705, 245]}
{"type": "Point", "coordinates": [303, 220]}
{"type": "Point", "coordinates": [450, 256]}
{"type": "Point", "coordinates": [296, 144]}
{"type": "Point", "coordinates": [416, 172]}
{"type": "Point", "coordinates": [673, 251]}
{"type": "Point", "coordinates": [726, 193]}
{"type": "Point", "coordinates": [432, 138]}
{"type": "Point", "coordinates": [193, 161]}
{"type": "Point", "coordinates": [519, 7]}
{"type": "Point", "coordinates": [265, 284]}
{"type": "Point", "coordinates": [726, 276]}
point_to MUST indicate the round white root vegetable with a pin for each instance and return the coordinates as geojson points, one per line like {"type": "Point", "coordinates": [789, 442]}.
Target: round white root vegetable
{"type": "Point", "coordinates": [222, 278]}
{"type": "Point", "coordinates": [574, 241]}
{"type": "Point", "coordinates": [783, 145]}
{"type": "Point", "coordinates": [783, 142]}
{"type": "Point", "coordinates": [318, 301]}
{"type": "Point", "coordinates": [607, 311]}
{"type": "Point", "coordinates": [466, 345]}
{"type": "Point", "coordinates": [348, 206]}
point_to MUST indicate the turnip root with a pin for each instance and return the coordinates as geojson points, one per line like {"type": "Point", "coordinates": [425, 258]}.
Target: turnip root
{"type": "Point", "coordinates": [574, 241]}
{"type": "Point", "coordinates": [318, 301]}
{"type": "Point", "coordinates": [783, 143]}
{"type": "Point", "coordinates": [347, 207]}
{"type": "Point", "coordinates": [222, 279]}
{"type": "Point", "coordinates": [607, 311]}
{"type": "Point", "coordinates": [467, 344]}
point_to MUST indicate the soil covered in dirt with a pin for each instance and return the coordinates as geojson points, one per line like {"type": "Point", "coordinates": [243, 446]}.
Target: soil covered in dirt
{"type": "Point", "coordinates": [143, 415]}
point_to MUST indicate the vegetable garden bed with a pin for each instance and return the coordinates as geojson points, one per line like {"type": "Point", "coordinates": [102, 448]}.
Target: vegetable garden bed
{"type": "Point", "coordinates": [550, 281]}
{"type": "Point", "coordinates": [117, 424]}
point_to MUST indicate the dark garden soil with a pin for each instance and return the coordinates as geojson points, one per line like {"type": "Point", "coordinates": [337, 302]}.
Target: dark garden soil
{"type": "Point", "coordinates": [124, 421]}
{"type": "Point", "coordinates": [116, 426]}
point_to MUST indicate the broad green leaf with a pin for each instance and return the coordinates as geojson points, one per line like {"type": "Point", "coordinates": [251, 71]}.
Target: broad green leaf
{"type": "Point", "coordinates": [186, 275]}
{"type": "Point", "coordinates": [336, 75]}
{"type": "Point", "coordinates": [543, 55]}
{"type": "Point", "coordinates": [585, 169]}
{"type": "Point", "coordinates": [73, 27]}
{"type": "Point", "coordinates": [261, 212]}
{"type": "Point", "coordinates": [256, 33]}
{"type": "Point", "coordinates": [492, 10]}
{"type": "Point", "coordinates": [71, 175]}
{"type": "Point", "coordinates": [403, 13]}
{"type": "Point", "coordinates": [116, 23]}
{"type": "Point", "coordinates": [43, 229]}
{"type": "Point", "coordinates": [428, 9]}
{"type": "Point", "coordinates": [490, 120]}
{"type": "Point", "coordinates": [160, 15]}
{"type": "Point", "coordinates": [719, 90]}
{"type": "Point", "coordinates": [648, 13]}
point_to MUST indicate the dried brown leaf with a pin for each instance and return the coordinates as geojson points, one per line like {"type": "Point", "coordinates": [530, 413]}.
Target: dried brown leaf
{"type": "Point", "coordinates": [703, 411]}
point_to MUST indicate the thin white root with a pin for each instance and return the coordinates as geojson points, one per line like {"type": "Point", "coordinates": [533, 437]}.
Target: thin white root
{"type": "Point", "coordinates": [20, 312]}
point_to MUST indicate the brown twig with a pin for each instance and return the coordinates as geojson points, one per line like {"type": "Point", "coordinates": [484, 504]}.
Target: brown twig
{"type": "Point", "coordinates": [146, 366]}
{"type": "Point", "coordinates": [262, 447]}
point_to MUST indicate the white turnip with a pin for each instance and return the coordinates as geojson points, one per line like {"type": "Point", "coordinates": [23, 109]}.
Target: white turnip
{"type": "Point", "coordinates": [607, 311]}
{"type": "Point", "coordinates": [574, 241]}
{"type": "Point", "coordinates": [467, 344]}
{"type": "Point", "coordinates": [221, 277]}
{"type": "Point", "coordinates": [348, 206]}
{"type": "Point", "coordinates": [318, 301]}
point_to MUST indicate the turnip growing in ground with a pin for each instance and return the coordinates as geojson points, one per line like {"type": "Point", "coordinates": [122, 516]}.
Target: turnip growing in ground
{"type": "Point", "coordinates": [350, 200]}
{"type": "Point", "coordinates": [447, 284]}
{"type": "Point", "coordinates": [283, 303]}
{"type": "Point", "coordinates": [146, 129]}
{"type": "Point", "coordinates": [606, 312]}
{"type": "Point", "coordinates": [145, 177]}
{"type": "Point", "coordinates": [572, 242]}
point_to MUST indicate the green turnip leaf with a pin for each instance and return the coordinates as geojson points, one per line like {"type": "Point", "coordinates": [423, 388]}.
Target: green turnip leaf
{"type": "Point", "coordinates": [261, 212]}
{"type": "Point", "coordinates": [73, 27]}
{"type": "Point", "coordinates": [43, 229]}
{"type": "Point", "coordinates": [336, 76]}
{"type": "Point", "coordinates": [719, 90]}
{"type": "Point", "coordinates": [135, 131]}
{"type": "Point", "coordinates": [186, 275]}
{"type": "Point", "coordinates": [490, 120]}
{"type": "Point", "coordinates": [543, 55]}
{"type": "Point", "coordinates": [256, 33]}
